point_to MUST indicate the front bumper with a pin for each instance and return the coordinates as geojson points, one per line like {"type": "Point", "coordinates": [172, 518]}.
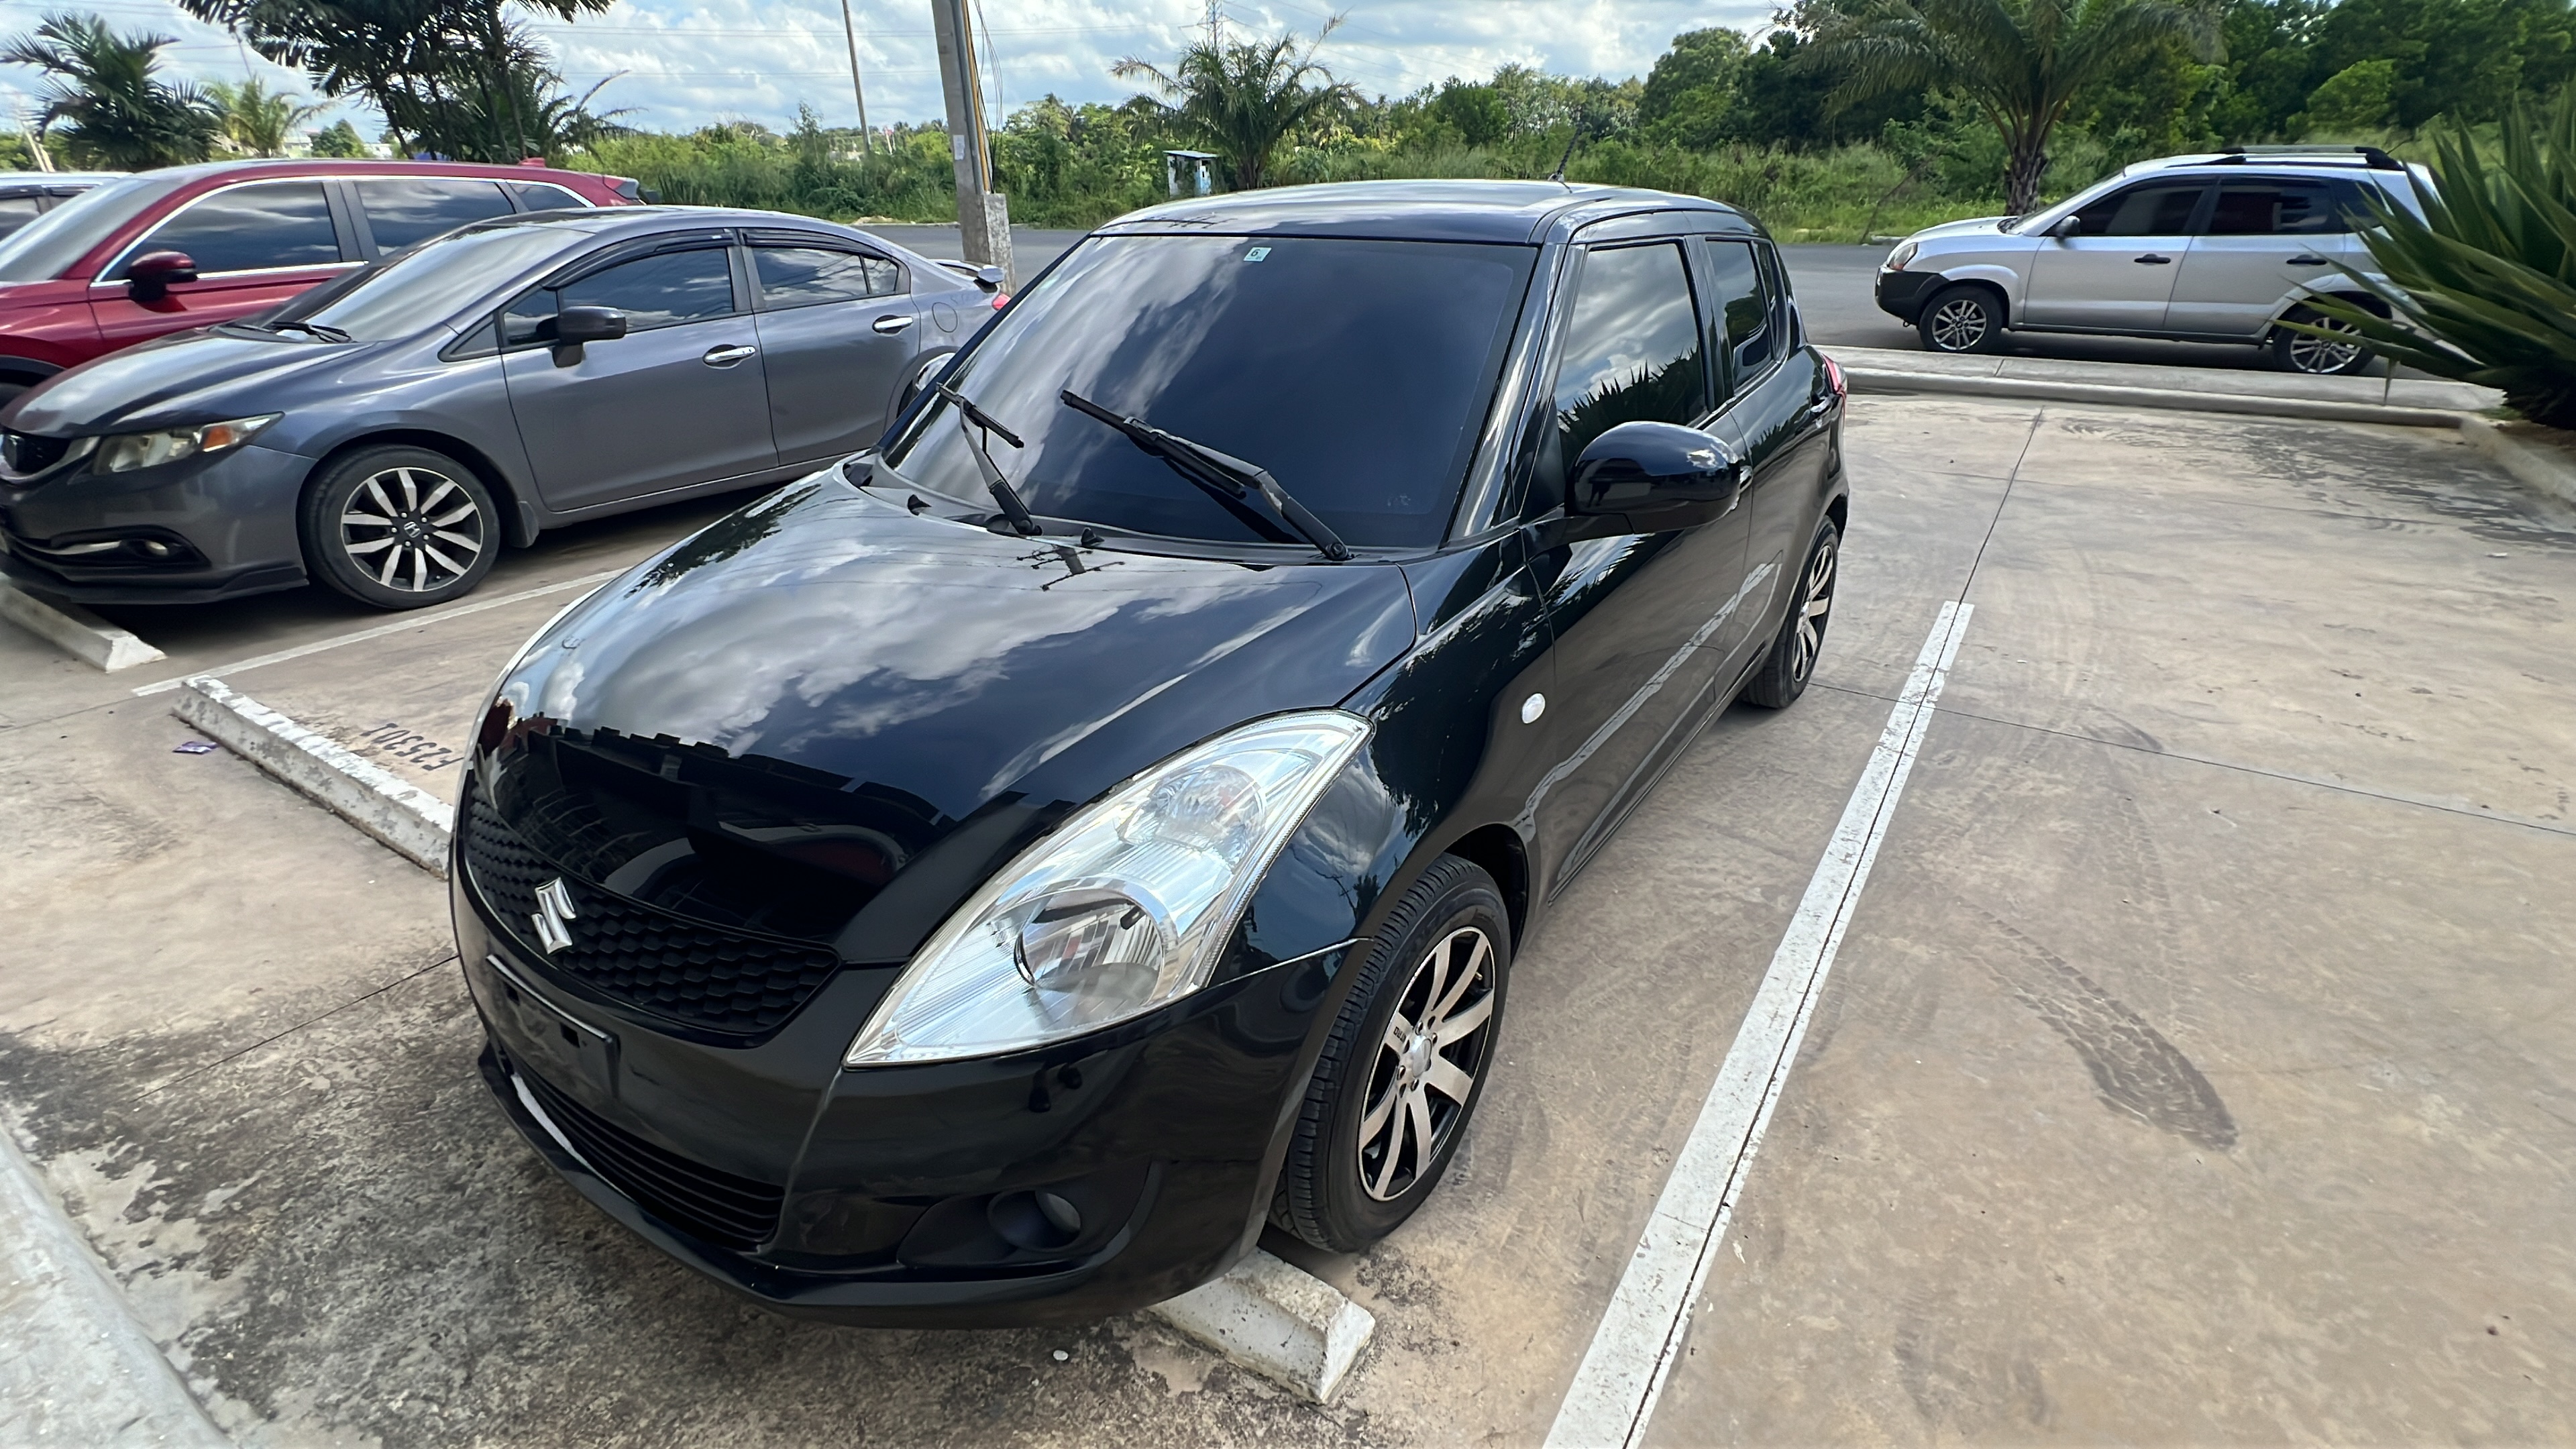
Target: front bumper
{"type": "Point", "coordinates": [882, 1196]}
{"type": "Point", "coordinates": [1901, 294]}
{"type": "Point", "coordinates": [234, 516]}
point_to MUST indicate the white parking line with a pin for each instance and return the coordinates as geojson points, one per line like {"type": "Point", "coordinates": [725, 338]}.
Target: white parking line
{"type": "Point", "coordinates": [412, 621]}
{"type": "Point", "coordinates": [1623, 1372]}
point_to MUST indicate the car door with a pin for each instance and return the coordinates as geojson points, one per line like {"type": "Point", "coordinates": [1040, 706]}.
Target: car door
{"type": "Point", "coordinates": [1640, 620]}
{"type": "Point", "coordinates": [679, 400]}
{"type": "Point", "coordinates": [254, 245]}
{"type": "Point", "coordinates": [837, 337]}
{"type": "Point", "coordinates": [397, 211]}
{"type": "Point", "coordinates": [2116, 273]}
{"type": "Point", "coordinates": [1774, 412]}
{"type": "Point", "coordinates": [2267, 237]}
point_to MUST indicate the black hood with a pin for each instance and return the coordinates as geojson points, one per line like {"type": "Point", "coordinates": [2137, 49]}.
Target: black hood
{"type": "Point", "coordinates": [827, 718]}
{"type": "Point", "coordinates": [185, 378]}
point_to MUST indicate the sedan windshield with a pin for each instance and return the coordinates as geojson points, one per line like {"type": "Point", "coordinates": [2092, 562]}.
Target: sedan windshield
{"type": "Point", "coordinates": [43, 248]}
{"type": "Point", "coordinates": [1357, 373]}
{"type": "Point", "coordinates": [427, 285]}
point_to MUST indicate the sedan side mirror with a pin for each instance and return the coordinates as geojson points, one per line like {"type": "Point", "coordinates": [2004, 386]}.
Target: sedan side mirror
{"type": "Point", "coordinates": [577, 325]}
{"type": "Point", "coordinates": [149, 277]}
{"type": "Point", "coordinates": [1654, 476]}
{"type": "Point", "coordinates": [2067, 226]}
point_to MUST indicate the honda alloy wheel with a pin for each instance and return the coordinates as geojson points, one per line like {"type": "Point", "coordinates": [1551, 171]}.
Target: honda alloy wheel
{"type": "Point", "coordinates": [401, 528]}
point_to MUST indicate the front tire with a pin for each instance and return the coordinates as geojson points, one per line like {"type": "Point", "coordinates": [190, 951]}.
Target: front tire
{"type": "Point", "coordinates": [1962, 319]}
{"type": "Point", "coordinates": [400, 527]}
{"type": "Point", "coordinates": [2317, 356]}
{"type": "Point", "coordinates": [1785, 671]}
{"type": "Point", "coordinates": [1405, 1063]}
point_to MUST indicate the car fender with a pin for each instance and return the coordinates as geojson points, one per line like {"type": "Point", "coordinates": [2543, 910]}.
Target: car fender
{"type": "Point", "coordinates": [2005, 279]}
{"type": "Point", "coordinates": [495, 452]}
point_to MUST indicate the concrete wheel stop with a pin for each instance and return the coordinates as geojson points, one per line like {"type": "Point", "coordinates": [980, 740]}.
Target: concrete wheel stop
{"type": "Point", "coordinates": [1279, 1321]}
{"type": "Point", "coordinates": [75, 630]}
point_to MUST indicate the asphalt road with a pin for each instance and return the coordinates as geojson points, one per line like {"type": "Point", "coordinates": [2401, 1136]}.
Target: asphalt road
{"type": "Point", "coordinates": [1834, 286]}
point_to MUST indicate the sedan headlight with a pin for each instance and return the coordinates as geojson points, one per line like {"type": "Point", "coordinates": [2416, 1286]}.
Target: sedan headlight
{"type": "Point", "coordinates": [1904, 253]}
{"type": "Point", "coordinates": [1125, 907]}
{"type": "Point", "coordinates": [125, 452]}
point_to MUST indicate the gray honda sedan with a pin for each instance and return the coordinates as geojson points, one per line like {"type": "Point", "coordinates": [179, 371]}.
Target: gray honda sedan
{"type": "Point", "coordinates": [388, 433]}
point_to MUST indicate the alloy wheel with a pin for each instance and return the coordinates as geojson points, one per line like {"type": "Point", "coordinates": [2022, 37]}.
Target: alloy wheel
{"type": "Point", "coordinates": [412, 529]}
{"type": "Point", "coordinates": [2311, 353]}
{"type": "Point", "coordinates": [1959, 325]}
{"type": "Point", "coordinates": [1426, 1064]}
{"type": "Point", "coordinates": [1815, 606]}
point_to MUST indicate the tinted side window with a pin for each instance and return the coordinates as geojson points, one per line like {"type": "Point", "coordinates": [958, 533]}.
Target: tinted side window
{"type": "Point", "coordinates": [545, 196]}
{"type": "Point", "coordinates": [2274, 208]}
{"type": "Point", "coordinates": [1739, 320]}
{"type": "Point", "coordinates": [802, 276]}
{"type": "Point", "coordinates": [1632, 348]}
{"type": "Point", "coordinates": [402, 210]}
{"type": "Point", "coordinates": [660, 291]}
{"type": "Point", "coordinates": [17, 211]}
{"type": "Point", "coordinates": [2154, 210]}
{"type": "Point", "coordinates": [273, 224]}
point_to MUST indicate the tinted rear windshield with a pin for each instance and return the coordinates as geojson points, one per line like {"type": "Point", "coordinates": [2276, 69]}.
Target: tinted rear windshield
{"type": "Point", "coordinates": [1357, 372]}
{"type": "Point", "coordinates": [40, 250]}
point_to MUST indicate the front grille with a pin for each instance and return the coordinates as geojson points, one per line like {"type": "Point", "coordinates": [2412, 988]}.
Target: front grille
{"type": "Point", "coordinates": [26, 454]}
{"type": "Point", "coordinates": [729, 1211]}
{"type": "Point", "coordinates": [675, 968]}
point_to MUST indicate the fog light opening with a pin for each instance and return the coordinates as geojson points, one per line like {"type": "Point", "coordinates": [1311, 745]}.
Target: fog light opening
{"type": "Point", "coordinates": [1038, 1221]}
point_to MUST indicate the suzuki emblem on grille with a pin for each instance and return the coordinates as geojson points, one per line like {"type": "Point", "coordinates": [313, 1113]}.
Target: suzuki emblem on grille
{"type": "Point", "coordinates": [554, 915]}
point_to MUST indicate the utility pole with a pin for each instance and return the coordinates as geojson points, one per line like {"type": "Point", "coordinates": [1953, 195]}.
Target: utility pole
{"type": "Point", "coordinates": [850, 28]}
{"type": "Point", "coordinates": [983, 215]}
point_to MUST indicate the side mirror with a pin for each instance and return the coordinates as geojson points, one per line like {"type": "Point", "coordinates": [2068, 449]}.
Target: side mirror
{"type": "Point", "coordinates": [1654, 476]}
{"type": "Point", "coordinates": [2066, 226]}
{"type": "Point", "coordinates": [577, 325]}
{"type": "Point", "coordinates": [148, 278]}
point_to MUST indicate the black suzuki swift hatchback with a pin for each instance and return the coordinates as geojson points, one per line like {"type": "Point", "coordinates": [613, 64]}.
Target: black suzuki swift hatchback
{"type": "Point", "coordinates": [989, 880]}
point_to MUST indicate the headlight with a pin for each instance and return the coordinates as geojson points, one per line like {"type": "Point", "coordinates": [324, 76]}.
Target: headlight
{"type": "Point", "coordinates": [1125, 907]}
{"type": "Point", "coordinates": [1904, 253]}
{"type": "Point", "coordinates": [126, 452]}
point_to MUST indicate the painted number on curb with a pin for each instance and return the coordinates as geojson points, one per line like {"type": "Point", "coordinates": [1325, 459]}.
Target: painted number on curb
{"type": "Point", "coordinates": [398, 741]}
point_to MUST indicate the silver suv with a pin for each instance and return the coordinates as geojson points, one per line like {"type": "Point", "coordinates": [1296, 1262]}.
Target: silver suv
{"type": "Point", "coordinates": [2215, 248]}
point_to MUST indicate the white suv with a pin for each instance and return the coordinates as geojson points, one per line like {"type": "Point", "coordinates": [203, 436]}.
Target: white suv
{"type": "Point", "coordinates": [2215, 248]}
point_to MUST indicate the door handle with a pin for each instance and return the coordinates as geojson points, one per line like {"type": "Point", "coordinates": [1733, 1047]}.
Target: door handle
{"type": "Point", "coordinates": [2307, 261]}
{"type": "Point", "coordinates": [727, 356]}
{"type": "Point", "coordinates": [2152, 260]}
{"type": "Point", "coordinates": [891, 323]}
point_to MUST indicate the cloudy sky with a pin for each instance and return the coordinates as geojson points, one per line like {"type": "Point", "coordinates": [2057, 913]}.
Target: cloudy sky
{"type": "Point", "coordinates": [687, 63]}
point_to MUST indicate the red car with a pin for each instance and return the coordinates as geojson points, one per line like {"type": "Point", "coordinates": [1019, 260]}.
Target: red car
{"type": "Point", "coordinates": [191, 246]}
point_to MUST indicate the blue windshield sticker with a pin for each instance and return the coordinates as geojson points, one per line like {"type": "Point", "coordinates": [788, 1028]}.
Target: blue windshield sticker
{"type": "Point", "coordinates": [1256, 254]}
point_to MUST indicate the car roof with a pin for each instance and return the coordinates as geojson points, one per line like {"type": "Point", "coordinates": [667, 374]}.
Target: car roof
{"type": "Point", "coordinates": [1486, 211]}
{"type": "Point", "coordinates": [360, 166]}
{"type": "Point", "coordinates": [619, 223]}
{"type": "Point", "coordinates": [52, 180]}
{"type": "Point", "coordinates": [2356, 158]}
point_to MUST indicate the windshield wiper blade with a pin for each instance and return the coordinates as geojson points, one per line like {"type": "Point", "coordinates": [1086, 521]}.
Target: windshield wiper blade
{"type": "Point", "coordinates": [323, 330]}
{"type": "Point", "coordinates": [1022, 521]}
{"type": "Point", "coordinates": [1204, 464]}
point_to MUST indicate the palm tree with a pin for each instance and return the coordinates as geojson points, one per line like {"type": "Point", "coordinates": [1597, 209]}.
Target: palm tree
{"type": "Point", "coordinates": [2021, 62]}
{"type": "Point", "coordinates": [257, 120]}
{"type": "Point", "coordinates": [101, 86]}
{"type": "Point", "coordinates": [1244, 99]}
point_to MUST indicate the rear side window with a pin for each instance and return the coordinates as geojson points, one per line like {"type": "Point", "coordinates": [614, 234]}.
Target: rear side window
{"type": "Point", "coordinates": [803, 276]}
{"type": "Point", "coordinates": [665, 290]}
{"type": "Point", "coordinates": [1739, 312]}
{"type": "Point", "coordinates": [402, 210]}
{"type": "Point", "coordinates": [250, 228]}
{"type": "Point", "coordinates": [2274, 208]}
{"type": "Point", "coordinates": [1632, 348]}
{"type": "Point", "coordinates": [545, 196]}
{"type": "Point", "coordinates": [2153, 210]}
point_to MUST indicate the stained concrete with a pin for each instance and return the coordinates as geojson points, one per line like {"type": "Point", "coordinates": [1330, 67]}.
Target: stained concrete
{"type": "Point", "coordinates": [2235, 1094]}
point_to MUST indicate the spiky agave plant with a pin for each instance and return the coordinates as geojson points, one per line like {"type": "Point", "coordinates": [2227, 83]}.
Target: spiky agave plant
{"type": "Point", "coordinates": [2482, 286]}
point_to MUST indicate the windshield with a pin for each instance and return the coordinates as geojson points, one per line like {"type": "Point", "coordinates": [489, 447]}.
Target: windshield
{"type": "Point", "coordinates": [43, 248]}
{"type": "Point", "coordinates": [426, 285]}
{"type": "Point", "coordinates": [1357, 372]}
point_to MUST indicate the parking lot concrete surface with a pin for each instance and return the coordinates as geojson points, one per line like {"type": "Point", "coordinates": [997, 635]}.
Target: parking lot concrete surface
{"type": "Point", "coordinates": [2194, 1066]}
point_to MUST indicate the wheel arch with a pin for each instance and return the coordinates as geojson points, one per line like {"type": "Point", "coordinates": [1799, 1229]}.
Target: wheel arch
{"type": "Point", "coordinates": [518, 513]}
{"type": "Point", "coordinates": [1500, 853]}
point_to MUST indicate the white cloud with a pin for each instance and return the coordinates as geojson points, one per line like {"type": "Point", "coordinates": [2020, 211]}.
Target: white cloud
{"type": "Point", "coordinates": [691, 62]}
